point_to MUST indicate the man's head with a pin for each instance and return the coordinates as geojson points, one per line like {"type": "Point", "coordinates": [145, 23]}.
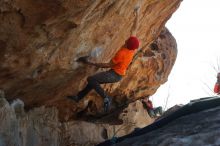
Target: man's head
{"type": "Point", "coordinates": [132, 43]}
{"type": "Point", "coordinates": [146, 99]}
{"type": "Point", "coordinates": [218, 77]}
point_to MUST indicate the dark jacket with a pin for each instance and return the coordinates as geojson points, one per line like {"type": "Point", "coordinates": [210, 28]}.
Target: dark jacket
{"type": "Point", "coordinates": [147, 104]}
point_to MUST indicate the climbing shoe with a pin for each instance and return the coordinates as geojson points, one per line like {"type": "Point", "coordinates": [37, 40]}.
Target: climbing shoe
{"type": "Point", "coordinates": [107, 104]}
{"type": "Point", "coordinates": [75, 98]}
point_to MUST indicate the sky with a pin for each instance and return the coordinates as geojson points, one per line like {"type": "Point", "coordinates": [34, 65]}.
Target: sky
{"type": "Point", "coordinates": [196, 28]}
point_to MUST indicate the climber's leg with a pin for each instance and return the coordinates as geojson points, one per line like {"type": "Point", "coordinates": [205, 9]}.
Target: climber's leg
{"type": "Point", "coordinates": [94, 83]}
{"type": "Point", "coordinates": [101, 78]}
{"type": "Point", "coordinates": [151, 113]}
{"type": "Point", "coordinates": [158, 111]}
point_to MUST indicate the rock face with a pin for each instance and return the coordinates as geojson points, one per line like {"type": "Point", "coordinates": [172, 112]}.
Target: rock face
{"type": "Point", "coordinates": [192, 130]}
{"type": "Point", "coordinates": [40, 41]}
{"type": "Point", "coordinates": [41, 127]}
{"type": "Point", "coordinates": [83, 133]}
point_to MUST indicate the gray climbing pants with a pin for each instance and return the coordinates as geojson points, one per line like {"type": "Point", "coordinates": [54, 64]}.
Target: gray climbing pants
{"type": "Point", "coordinates": [100, 78]}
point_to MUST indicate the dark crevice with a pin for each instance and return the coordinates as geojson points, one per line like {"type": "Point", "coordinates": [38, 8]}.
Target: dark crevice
{"type": "Point", "coordinates": [22, 18]}
{"type": "Point", "coordinates": [104, 133]}
{"type": "Point", "coordinates": [148, 53]}
{"type": "Point", "coordinates": [154, 47]}
{"type": "Point", "coordinates": [163, 56]}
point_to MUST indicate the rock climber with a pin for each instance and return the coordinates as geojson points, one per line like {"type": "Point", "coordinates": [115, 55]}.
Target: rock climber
{"type": "Point", "coordinates": [152, 112]}
{"type": "Point", "coordinates": [217, 85]}
{"type": "Point", "coordinates": [118, 66]}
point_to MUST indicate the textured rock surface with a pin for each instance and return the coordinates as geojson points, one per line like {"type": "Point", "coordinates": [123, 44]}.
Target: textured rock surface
{"type": "Point", "coordinates": [85, 133]}
{"type": "Point", "coordinates": [40, 40]}
{"type": "Point", "coordinates": [40, 126]}
{"type": "Point", "coordinates": [198, 129]}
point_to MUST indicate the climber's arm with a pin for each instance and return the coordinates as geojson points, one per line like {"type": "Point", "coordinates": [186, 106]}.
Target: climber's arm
{"type": "Point", "coordinates": [135, 24]}
{"type": "Point", "coordinates": [85, 60]}
{"type": "Point", "coordinates": [102, 65]}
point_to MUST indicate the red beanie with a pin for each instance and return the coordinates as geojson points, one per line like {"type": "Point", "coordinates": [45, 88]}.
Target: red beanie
{"type": "Point", "coordinates": [217, 88]}
{"type": "Point", "coordinates": [132, 43]}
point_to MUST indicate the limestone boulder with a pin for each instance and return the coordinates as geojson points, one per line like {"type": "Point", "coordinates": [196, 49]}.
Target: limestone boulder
{"type": "Point", "coordinates": [41, 40]}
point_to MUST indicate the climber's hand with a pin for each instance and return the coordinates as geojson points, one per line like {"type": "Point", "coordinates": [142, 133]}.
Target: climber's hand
{"type": "Point", "coordinates": [83, 59]}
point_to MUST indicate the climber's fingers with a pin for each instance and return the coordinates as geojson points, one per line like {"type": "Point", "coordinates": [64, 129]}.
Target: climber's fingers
{"type": "Point", "coordinates": [83, 59]}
